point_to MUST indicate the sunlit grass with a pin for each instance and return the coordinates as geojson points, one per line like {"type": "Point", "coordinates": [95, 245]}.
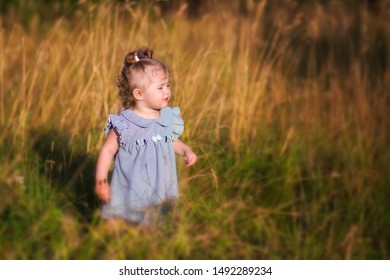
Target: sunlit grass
{"type": "Point", "coordinates": [293, 149]}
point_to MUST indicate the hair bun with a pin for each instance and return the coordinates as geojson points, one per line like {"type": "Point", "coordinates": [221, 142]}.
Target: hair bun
{"type": "Point", "coordinates": [141, 53]}
{"type": "Point", "coordinates": [147, 52]}
{"type": "Point", "coordinates": [144, 53]}
{"type": "Point", "coordinates": [129, 59]}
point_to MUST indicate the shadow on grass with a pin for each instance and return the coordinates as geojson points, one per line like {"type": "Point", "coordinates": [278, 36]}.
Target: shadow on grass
{"type": "Point", "coordinates": [69, 169]}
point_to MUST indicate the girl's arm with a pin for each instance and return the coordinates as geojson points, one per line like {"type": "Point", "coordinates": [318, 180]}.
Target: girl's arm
{"type": "Point", "coordinates": [109, 149]}
{"type": "Point", "coordinates": [183, 150]}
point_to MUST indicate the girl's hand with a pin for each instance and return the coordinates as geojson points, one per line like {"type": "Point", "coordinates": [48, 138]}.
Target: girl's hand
{"type": "Point", "coordinates": [183, 150]}
{"type": "Point", "coordinates": [190, 157]}
{"type": "Point", "coordinates": [102, 189]}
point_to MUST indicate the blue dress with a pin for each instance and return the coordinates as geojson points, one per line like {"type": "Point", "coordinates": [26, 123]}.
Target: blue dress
{"type": "Point", "coordinates": [144, 174]}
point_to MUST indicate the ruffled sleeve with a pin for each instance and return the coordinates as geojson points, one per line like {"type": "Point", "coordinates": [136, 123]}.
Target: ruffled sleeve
{"type": "Point", "coordinates": [119, 124]}
{"type": "Point", "coordinates": [172, 120]}
{"type": "Point", "coordinates": [177, 124]}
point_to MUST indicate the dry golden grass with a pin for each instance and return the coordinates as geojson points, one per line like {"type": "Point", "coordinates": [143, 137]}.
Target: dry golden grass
{"type": "Point", "coordinates": [287, 107]}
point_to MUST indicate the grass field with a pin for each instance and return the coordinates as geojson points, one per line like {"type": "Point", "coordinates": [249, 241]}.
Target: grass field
{"type": "Point", "coordinates": [286, 105]}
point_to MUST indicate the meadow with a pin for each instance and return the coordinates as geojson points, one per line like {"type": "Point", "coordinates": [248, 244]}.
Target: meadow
{"type": "Point", "coordinates": [286, 104]}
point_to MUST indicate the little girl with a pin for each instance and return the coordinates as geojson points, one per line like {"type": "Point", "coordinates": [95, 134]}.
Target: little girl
{"type": "Point", "coordinates": [144, 139]}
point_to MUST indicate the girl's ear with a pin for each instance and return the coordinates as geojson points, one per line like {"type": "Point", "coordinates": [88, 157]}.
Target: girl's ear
{"type": "Point", "coordinates": [137, 93]}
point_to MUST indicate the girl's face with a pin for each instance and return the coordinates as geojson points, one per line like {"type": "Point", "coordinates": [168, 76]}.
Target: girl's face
{"type": "Point", "coordinates": [157, 93]}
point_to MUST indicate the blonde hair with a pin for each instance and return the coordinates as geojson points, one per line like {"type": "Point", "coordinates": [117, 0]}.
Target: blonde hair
{"type": "Point", "coordinates": [137, 66]}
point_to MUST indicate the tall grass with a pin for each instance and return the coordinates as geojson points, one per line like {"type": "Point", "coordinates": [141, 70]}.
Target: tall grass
{"type": "Point", "coordinates": [286, 106]}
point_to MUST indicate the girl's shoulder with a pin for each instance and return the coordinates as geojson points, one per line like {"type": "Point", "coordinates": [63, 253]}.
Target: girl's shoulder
{"type": "Point", "coordinates": [171, 116]}
{"type": "Point", "coordinates": [115, 121]}
{"type": "Point", "coordinates": [119, 124]}
{"type": "Point", "coordinates": [171, 110]}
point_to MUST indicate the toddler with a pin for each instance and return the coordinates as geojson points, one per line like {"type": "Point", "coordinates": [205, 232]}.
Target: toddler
{"type": "Point", "coordinates": [143, 140]}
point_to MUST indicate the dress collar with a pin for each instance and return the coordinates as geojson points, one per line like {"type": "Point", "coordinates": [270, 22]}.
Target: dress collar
{"type": "Point", "coordinates": [143, 122]}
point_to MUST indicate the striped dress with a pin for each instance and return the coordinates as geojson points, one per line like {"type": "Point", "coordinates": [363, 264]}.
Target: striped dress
{"type": "Point", "coordinates": [144, 176]}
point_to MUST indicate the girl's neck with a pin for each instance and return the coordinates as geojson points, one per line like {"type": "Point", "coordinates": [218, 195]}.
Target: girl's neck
{"type": "Point", "coordinates": [146, 113]}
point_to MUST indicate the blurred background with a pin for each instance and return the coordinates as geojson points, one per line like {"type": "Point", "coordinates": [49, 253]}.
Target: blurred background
{"type": "Point", "coordinates": [286, 103]}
